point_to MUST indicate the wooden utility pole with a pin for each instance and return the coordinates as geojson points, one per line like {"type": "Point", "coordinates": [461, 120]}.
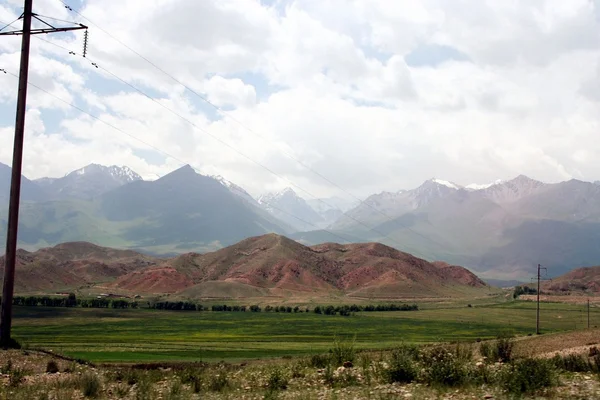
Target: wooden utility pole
{"type": "Point", "coordinates": [17, 162]}
{"type": "Point", "coordinates": [588, 312]}
{"type": "Point", "coordinates": [537, 321]}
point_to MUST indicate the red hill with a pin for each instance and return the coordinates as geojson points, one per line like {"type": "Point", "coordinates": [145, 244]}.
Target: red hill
{"type": "Point", "coordinates": [269, 265]}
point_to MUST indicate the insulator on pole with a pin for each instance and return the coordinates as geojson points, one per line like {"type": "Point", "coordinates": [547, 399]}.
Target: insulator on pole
{"type": "Point", "coordinates": [85, 43]}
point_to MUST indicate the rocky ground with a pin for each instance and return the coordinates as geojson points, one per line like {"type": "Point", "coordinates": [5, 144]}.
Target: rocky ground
{"type": "Point", "coordinates": [31, 374]}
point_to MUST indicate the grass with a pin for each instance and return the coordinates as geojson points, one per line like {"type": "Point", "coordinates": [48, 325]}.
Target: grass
{"type": "Point", "coordinates": [134, 336]}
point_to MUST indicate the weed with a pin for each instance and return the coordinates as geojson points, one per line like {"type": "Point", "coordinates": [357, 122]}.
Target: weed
{"type": "Point", "coordinates": [218, 382]}
{"type": "Point", "coordinates": [192, 377]}
{"type": "Point", "coordinates": [90, 384]}
{"type": "Point", "coordinates": [444, 367]}
{"type": "Point", "coordinates": [573, 363]}
{"type": "Point", "coordinates": [319, 360]}
{"type": "Point", "coordinates": [6, 368]}
{"type": "Point", "coordinates": [122, 390]}
{"type": "Point", "coordinates": [297, 370]}
{"type": "Point", "coordinates": [528, 376]}
{"type": "Point", "coordinates": [503, 350]}
{"type": "Point", "coordinates": [145, 390]}
{"type": "Point", "coordinates": [277, 380]}
{"type": "Point", "coordinates": [402, 367]}
{"type": "Point", "coordinates": [16, 376]}
{"type": "Point", "coordinates": [52, 367]}
{"type": "Point", "coordinates": [343, 350]}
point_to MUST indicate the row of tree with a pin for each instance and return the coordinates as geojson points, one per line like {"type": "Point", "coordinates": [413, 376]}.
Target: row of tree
{"type": "Point", "coordinates": [519, 290]}
{"type": "Point", "coordinates": [71, 301]}
{"type": "Point", "coordinates": [349, 310]}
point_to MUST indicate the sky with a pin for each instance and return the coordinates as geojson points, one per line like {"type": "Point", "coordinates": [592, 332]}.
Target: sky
{"type": "Point", "coordinates": [331, 97]}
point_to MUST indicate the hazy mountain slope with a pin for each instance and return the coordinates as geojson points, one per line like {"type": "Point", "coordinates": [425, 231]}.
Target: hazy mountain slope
{"type": "Point", "coordinates": [88, 182]}
{"type": "Point", "coordinates": [186, 209]}
{"type": "Point", "coordinates": [30, 191]}
{"type": "Point", "coordinates": [287, 206]}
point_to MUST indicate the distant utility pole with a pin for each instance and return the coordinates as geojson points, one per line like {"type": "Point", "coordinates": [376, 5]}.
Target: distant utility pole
{"type": "Point", "coordinates": [588, 311]}
{"type": "Point", "coordinates": [537, 321]}
{"type": "Point", "coordinates": [17, 161]}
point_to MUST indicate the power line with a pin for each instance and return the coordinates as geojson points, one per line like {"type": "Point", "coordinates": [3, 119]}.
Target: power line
{"type": "Point", "coordinates": [7, 25]}
{"type": "Point", "coordinates": [383, 235]}
{"type": "Point", "coordinates": [163, 152]}
{"type": "Point", "coordinates": [227, 114]}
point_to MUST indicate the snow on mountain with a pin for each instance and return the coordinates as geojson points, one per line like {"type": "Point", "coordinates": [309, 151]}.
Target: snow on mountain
{"type": "Point", "coordinates": [475, 186]}
{"type": "Point", "coordinates": [121, 174]}
{"type": "Point", "coordinates": [445, 183]}
{"type": "Point", "coordinates": [235, 189]}
{"type": "Point", "coordinates": [88, 182]}
{"type": "Point", "coordinates": [287, 206]}
{"type": "Point", "coordinates": [513, 190]}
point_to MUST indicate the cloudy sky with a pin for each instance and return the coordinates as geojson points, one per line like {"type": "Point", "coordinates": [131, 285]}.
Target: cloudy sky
{"type": "Point", "coordinates": [371, 94]}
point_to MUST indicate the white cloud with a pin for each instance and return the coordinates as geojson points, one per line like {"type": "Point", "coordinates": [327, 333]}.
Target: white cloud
{"type": "Point", "coordinates": [325, 81]}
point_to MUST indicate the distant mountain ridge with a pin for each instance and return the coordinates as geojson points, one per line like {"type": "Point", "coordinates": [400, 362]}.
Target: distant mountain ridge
{"type": "Point", "coordinates": [500, 229]}
{"type": "Point", "coordinates": [88, 182]}
{"type": "Point", "coordinates": [268, 265]}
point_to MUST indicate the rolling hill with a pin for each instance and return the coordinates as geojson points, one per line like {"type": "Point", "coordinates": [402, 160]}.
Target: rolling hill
{"type": "Point", "coordinates": [264, 266]}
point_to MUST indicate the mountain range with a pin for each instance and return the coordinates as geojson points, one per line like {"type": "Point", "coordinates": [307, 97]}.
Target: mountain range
{"type": "Point", "coordinates": [500, 230]}
{"type": "Point", "coordinates": [265, 266]}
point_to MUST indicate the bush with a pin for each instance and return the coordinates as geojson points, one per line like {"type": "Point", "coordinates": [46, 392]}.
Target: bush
{"type": "Point", "coordinates": [218, 382]}
{"type": "Point", "coordinates": [90, 384]}
{"type": "Point", "coordinates": [277, 380]}
{"type": "Point", "coordinates": [573, 363]}
{"type": "Point", "coordinates": [444, 367]}
{"type": "Point", "coordinates": [500, 350]}
{"type": "Point", "coordinates": [342, 351]}
{"type": "Point", "coordinates": [192, 377]}
{"type": "Point", "coordinates": [529, 375]}
{"type": "Point", "coordinates": [402, 366]}
{"type": "Point", "coordinates": [52, 367]}
{"type": "Point", "coordinates": [319, 360]}
{"type": "Point", "coordinates": [503, 351]}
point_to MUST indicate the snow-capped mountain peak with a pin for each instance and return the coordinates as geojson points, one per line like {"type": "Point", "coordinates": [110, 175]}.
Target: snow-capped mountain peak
{"type": "Point", "coordinates": [442, 182]}
{"type": "Point", "coordinates": [235, 189]}
{"type": "Point", "coordinates": [122, 174]}
{"type": "Point", "coordinates": [475, 186]}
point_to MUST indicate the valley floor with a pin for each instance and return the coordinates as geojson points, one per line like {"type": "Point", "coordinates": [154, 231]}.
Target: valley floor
{"type": "Point", "coordinates": [108, 335]}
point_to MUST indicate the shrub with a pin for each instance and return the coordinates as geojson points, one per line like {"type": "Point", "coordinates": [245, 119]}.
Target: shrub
{"type": "Point", "coordinates": [16, 376]}
{"type": "Point", "coordinates": [121, 390]}
{"type": "Point", "coordinates": [342, 351]}
{"type": "Point", "coordinates": [277, 380]}
{"type": "Point", "coordinates": [218, 382]}
{"type": "Point", "coordinates": [319, 360]}
{"type": "Point", "coordinates": [529, 375]}
{"type": "Point", "coordinates": [145, 390]}
{"type": "Point", "coordinates": [573, 363]}
{"type": "Point", "coordinates": [192, 377]}
{"type": "Point", "coordinates": [485, 349]}
{"type": "Point", "coordinates": [444, 367]}
{"type": "Point", "coordinates": [90, 384]}
{"type": "Point", "coordinates": [503, 351]}
{"type": "Point", "coordinates": [52, 367]}
{"type": "Point", "coordinates": [402, 366]}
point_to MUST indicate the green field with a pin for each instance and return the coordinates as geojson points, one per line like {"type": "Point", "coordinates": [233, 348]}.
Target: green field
{"type": "Point", "coordinates": [103, 335]}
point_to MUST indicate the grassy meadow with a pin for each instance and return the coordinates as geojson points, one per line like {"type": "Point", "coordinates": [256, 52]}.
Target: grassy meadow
{"type": "Point", "coordinates": [133, 336]}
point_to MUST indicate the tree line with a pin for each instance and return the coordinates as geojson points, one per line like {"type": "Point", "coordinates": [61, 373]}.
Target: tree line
{"type": "Point", "coordinates": [71, 301]}
{"type": "Point", "coordinates": [348, 310]}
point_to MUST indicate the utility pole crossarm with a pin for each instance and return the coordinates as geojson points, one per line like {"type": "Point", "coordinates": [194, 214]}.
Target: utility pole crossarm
{"type": "Point", "coordinates": [45, 30]}
{"type": "Point", "coordinates": [39, 31]}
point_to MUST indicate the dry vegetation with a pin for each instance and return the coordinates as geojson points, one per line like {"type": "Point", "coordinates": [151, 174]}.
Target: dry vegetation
{"type": "Point", "coordinates": [498, 369]}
